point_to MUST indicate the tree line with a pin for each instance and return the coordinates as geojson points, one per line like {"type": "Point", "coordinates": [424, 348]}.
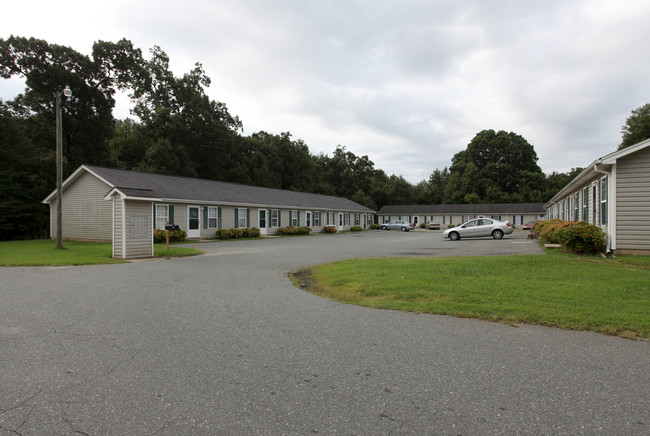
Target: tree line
{"type": "Point", "coordinates": [177, 129]}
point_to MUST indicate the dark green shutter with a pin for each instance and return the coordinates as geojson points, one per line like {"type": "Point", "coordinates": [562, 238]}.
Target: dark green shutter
{"type": "Point", "coordinates": [248, 217]}
{"type": "Point", "coordinates": [154, 216]}
{"type": "Point", "coordinates": [205, 217]}
{"type": "Point", "coordinates": [298, 218]}
{"type": "Point", "coordinates": [279, 217]}
{"type": "Point", "coordinates": [171, 215]}
{"type": "Point", "coordinates": [236, 217]}
{"type": "Point", "coordinates": [219, 217]}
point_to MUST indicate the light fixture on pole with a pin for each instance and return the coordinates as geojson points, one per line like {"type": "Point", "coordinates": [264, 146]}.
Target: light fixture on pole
{"type": "Point", "coordinates": [59, 166]}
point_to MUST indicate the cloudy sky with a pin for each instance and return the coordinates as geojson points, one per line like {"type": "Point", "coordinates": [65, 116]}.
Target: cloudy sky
{"type": "Point", "coordinates": [407, 83]}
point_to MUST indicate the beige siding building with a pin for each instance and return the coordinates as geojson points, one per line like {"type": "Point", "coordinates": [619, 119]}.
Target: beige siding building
{"type": "Point", "coordinates": [613, 192]}
{"type": "Point", "coordinates": [125, 207]}
{"type": "Point", "coordinates": [449, 215]}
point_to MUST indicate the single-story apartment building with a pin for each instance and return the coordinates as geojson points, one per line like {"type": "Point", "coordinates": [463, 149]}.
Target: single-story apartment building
{"type": "Point", "coordinates": [106, 204]}
{"type": "Point", "coordinates": [612, 192]}
{"type": "Point", "coordinates": [446, 214]}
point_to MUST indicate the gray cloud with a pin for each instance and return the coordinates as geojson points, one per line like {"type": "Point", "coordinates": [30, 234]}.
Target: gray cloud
{"type": "Point", "coordinates": [409, 84]}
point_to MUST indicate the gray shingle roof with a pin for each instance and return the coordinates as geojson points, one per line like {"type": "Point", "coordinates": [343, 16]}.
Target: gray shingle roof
{"type": "Point", "coordinates": [148, 185]}
{"type": "Point", "coordinates": [465, 209]}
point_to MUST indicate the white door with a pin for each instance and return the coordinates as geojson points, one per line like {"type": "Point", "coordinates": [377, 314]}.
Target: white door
{"type": "Point", "coordinates": [308, 219]}
{"type": "Point", "coordinates": [263, 213]}
{"type": "Point", "coordinates": [193, 229]}
{"type": "Point", "coordinates": [340, 221]}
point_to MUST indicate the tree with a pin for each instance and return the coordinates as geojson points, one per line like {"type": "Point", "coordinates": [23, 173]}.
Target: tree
{"type": "Point", "coordinates": [495, 167]}
{"type": "Point", "coordinates": [636, 127]}
{"type": "Point", "coordinates": [21, 190]}
{"type": "Point", "coordinates": [177, 111]}
{"type": "Point", "coordinates": [87, 115]}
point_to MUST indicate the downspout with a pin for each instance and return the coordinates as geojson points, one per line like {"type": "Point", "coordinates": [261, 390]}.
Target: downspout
{"type": "Point", "coordinates": [608, 242]}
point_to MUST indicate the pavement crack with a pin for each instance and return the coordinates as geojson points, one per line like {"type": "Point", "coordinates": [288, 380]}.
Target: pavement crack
{"type": "Point", "coordinates": [120, 362]}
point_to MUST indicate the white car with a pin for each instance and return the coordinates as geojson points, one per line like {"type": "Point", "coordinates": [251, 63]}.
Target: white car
{"type": "Point", "coordinates": [397, 225]}
{"type": "Point", "coordinates": [479, 227]}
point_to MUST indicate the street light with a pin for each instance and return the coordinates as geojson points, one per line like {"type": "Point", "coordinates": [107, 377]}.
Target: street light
{"type": "Point", "coordinates": [59, 166]}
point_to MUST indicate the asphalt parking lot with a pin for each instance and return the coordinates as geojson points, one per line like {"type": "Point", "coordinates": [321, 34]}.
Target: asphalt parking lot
{"type": "Point", "coordinates": [224, 344]}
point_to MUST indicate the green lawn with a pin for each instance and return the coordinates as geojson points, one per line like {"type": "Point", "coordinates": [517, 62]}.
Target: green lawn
{"type": "Point", "coordinates": [610, 296]}
{"type": "Point", "coordinates": [41, 252]}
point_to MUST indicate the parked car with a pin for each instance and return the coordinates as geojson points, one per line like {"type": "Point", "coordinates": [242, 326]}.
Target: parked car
{"type": "Point", "coordinates": [433, 226]}
{"type": "Point", "coordinates": [529, 225]}
{"type": "Point", "coordinates": [397, 225]}
{"type": "Point", "coordinates": [478, 228]}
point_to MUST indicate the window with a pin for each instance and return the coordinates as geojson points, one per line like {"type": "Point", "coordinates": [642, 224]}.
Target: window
{"type": "Point", "coordinates": [585, 204]}
{"type": "Point", "coordinates": [213, 222]}
{"type": "Point", "coordinates": [295, 218]}
{"type": "Point", "coordinates": [357, 219]}
{"type": "Point", "coordinates": [161, 216]}
{"type": "Point", "coordinates": [594, 200]}
{"type": "Point", "coordinates": [241, 217]}
{"type": "Point", "coordinates": [576, 207]}
{"type": "Point", "coordinates": [603, 201]}
{"type": "Point", "coordinates": [316, 219]}
{"type": "Point", "coordinates": [275, 218]}
{"type": "Point", "coordinates": [347, 219]}
{"type": "Point", "coordinates": [330, 218]}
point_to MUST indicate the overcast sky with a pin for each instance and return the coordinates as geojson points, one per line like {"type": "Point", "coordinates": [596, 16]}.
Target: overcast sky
{"type": "Point", "coordinates": [408, 83]}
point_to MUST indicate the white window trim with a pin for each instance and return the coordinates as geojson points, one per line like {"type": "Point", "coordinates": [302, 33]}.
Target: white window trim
{"type": "Point", "coordinates": [159, 216]}
{"type": "Point", "coordinates": [215, 217]}
{"type": "Point", "coordinates": [241, 217]}
{"type": "Point", "coordinates": [275, 219]}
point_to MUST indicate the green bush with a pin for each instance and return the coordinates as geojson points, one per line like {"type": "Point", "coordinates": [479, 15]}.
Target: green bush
{"type": "Point", "coordinates": [329, 229]}
{"type": "Point", "coordinates": [356, 229]}
{"type": "Point", "coordinates": [244, 233]}
{"type": "Point", "coordinates": [546, 230]}
{"type": "Point", "coordinates": [422, 225]}
{"type": "Point", "coordinates": [581, 238]}
{"type": "Point", "coordinates": [293, 230]}
{"type": "Point", "coordinates": [174, 236]}
{"type": "Point", "coordinates": [374, 226]}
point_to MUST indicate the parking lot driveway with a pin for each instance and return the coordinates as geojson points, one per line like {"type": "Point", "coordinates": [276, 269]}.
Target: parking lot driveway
{"type": "Point", "coordinates": [224, 344]}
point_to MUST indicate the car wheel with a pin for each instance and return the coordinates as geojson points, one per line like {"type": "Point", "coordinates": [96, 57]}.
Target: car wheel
{"type": "Point", "coordinates": [497, 234]}
{"type": "Point", "coordinates": [404, 229]}
{"type": "Point", "coordinates": [384, 228]}
{"type": "Point", "coordinates": [454, 236]}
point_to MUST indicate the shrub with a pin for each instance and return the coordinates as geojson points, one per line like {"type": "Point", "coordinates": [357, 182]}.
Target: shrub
{"type": "Point", "coordinates": [374, 226]}
{"type": "Point", "coordinates": [581, 237]}
{"type": "Point", "coordinates": [356, 229]}
{"type": "Point", "coordinates": [422, 225]}
{"type": "Point", "coordinates": [293, 230]}
{"type": "Point", "coordinates": [243, 233]}
{"type": "Point", "coordinates": [329, 229]}
{"type": "Point", "coordinates": [546, 230]}
{"type": "Point", "coordinates": [174, 236]}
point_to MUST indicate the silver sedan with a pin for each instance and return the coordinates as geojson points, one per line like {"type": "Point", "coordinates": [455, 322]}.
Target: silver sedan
{"type": "Point", "coordinates": [397, 225]}
{"type": "Point", "coordinates": [478, 228]}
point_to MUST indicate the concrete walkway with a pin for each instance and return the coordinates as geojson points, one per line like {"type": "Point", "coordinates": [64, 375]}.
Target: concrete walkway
{"type": "Point", "coordinates": [224, 344]}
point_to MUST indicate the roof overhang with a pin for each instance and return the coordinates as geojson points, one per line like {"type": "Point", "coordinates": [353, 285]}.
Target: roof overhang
{"type": "Point", "coordinates": [596, 169]}
{"type": "Point", "coordinates": [74, 176]}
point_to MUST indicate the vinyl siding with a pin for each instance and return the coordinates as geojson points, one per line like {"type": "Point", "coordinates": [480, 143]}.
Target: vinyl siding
{"type": "Point", "coordinates": [86, 215]}
{"type": "Point", "coordinates": [633, 201]}
{"type": "Point", "coordinates": [117, 216]}
{"type": "Point", "coordinates": [137, 247]}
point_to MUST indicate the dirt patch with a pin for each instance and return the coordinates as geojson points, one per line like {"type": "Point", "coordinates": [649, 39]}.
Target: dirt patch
{"type": "Point", "coordinates": [302, 279]}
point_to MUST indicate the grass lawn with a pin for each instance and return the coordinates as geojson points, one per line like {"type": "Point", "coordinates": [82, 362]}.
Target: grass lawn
{"type": "Point", "coordinates": [610, 296]}
{"type": "Point", "coordinates": [42, 252]}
